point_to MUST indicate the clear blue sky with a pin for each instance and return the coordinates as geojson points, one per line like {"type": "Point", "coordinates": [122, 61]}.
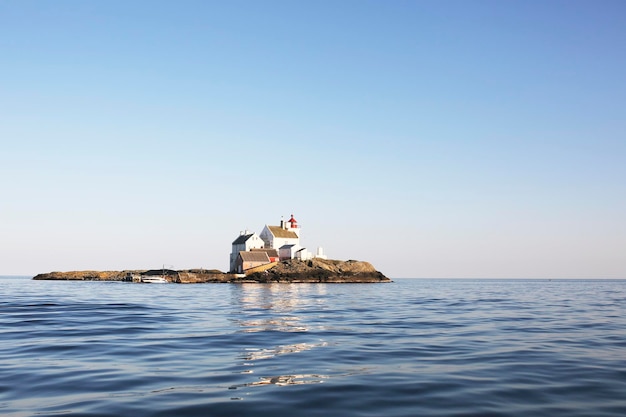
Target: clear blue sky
{"type": "Point", "coordinates": [431, 138]}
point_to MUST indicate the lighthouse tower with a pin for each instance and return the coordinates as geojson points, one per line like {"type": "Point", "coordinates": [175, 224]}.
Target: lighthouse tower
{"type": "Point", "coordinates": [292, 225]}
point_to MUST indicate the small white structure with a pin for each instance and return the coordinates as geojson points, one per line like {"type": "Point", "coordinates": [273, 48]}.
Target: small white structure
{"type": "Point", "coordinates": [303, 254]}
{"type": "Point", "coordinates": [244, 243]}
{"type": "Point", "coordinates": [287, 252]}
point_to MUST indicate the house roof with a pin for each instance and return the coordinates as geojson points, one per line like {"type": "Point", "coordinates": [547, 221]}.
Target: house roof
{"type": "Point", "coordinates": [278, 231]}
{"type": "Point", "coordinates": [286, 246]}
{"type": "Point", "coordinates": [242, 239]}
{"type": "Point", "coordinates": [270, 252]}
{"type": "Point", "coordinates": [257, 256]}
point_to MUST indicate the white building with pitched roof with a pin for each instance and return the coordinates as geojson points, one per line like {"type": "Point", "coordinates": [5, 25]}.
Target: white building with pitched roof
{"type": "Point", "coordinates": [275, 236]}
{"type": "Point", "coordinates": [245, 242]}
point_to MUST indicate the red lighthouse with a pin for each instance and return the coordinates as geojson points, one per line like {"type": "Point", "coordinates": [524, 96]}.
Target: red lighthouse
{"type": "Point", "coordinates": [293, 223]}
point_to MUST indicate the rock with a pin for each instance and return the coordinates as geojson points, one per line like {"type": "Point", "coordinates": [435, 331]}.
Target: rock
{"type": "Point", "coordinates": [314, 270]}
{"type": "Point", "coordinates": [320, 270]}
{"type": "Point", "coordinates": [198, 277]}
{"type": "Point", "coordinates": [85, 275]}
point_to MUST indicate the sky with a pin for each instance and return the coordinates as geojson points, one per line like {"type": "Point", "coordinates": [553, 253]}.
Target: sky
{"type": "Point", "coordinates": [434, 139]}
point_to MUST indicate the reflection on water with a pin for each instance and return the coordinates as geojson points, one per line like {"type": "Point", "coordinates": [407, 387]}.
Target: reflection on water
{"type": "Point", "coordinates": [280, 324]}
{"type": "Point", "coordinates": [283, 380]}
{"type": "Point", "coordinates": [262, 309]}
{"type": "Point", "coordinates": [274, 307]}
{"type": "Point", "coordinates": [278, 297]}
{"type": "Point", "coordinates": [257, 354]}
{"type": "Point", "coordinates": [301, 379]}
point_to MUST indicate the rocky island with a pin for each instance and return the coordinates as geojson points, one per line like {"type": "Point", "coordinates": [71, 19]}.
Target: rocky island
{"type": "Point", "coordinates": [275, 255]}
{"type": "Point", "coordinates": [288, 271]}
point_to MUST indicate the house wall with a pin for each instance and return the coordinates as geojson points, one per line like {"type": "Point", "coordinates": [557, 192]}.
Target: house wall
{"type": "Point", "coordinates": [251, 264]}
{"type": "Point", "coordinates": [267, 237]}
{"type": "Point", "coordinates": [254, 242]}
{"type": "Point", "coordinates": [284, 254]}
{"type": "Point", "coordinates": [296, 230]}
{"type": "Point", "coordinates": [276, 242]}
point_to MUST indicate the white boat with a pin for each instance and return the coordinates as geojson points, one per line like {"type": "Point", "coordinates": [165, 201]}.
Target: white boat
{"type": "Point", "coordinates": [153, 280]}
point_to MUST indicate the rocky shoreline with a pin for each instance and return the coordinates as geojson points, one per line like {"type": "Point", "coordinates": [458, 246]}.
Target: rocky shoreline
{"type": "Point", "coordinates": [290, 271]}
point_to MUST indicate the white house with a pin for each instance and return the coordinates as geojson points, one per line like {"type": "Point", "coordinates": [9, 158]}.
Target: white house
{"type": "Point", "coordinates": [245, 242]}
{"type": "Point", "coordinates": [288, 233]}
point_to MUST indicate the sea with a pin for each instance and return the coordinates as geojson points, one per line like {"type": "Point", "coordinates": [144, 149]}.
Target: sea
{"type": "Point", "coordinates": [413, 347]}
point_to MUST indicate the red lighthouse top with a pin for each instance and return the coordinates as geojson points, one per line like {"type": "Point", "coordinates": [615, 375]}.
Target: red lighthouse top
{"type": "Point", "coordinates": [293, 222]}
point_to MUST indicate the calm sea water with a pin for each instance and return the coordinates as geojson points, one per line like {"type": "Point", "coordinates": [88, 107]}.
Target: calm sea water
{"type": "Point", "coordinates": [409, 348]}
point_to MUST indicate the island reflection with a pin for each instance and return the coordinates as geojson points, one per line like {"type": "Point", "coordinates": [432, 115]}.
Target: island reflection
{"type": "Point", "coordinates": [265, 311]}
{"type": "Point", "coordinates": [275, 307]}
